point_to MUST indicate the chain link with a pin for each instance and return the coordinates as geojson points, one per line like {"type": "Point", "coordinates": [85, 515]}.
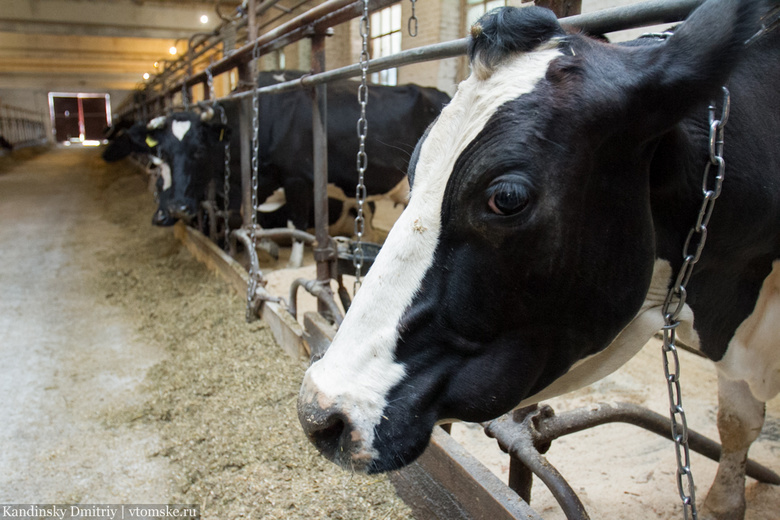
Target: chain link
{"type": "Point", "coordinates": [226, 180]}
{"type": "Point", "coordinates": [362, 157]}
{"type": "Point", "coordinates": [412, 21]}
{"type": "Point", "coordinates": [675, 299]}
{"type": "Point", "coordinates": [185, 97]}
{"type": "Point", "coordinates": [210, 83]}
{"type": "Point", "coordinates": [254, 275]}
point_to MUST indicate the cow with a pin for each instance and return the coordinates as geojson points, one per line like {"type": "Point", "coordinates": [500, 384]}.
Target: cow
{"type": "Point", "coordinates": [400, 114]}
{"type": "Point", "coordinates": [124, 138]}
{"type": "Point", "coordinates": [549, 209]}
{"type": "Point", "coordinates": [4, 144]}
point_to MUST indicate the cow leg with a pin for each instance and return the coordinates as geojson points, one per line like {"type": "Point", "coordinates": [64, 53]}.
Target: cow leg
{"type": "Point", "coordinates": [299, 205]}
{"type": "Point", "coordinates": [740, 419]}
{"type": "Point", "coordinates": [296, 255]}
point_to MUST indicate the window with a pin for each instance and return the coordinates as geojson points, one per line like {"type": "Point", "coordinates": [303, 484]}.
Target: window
{"type": "Point", "coordinates": [476, 8]}
{"type": "Point", "coordinates": [386, 40]}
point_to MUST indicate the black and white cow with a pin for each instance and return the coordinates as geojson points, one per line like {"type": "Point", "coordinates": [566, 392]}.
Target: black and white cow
{"type": "Point", "coordinates": [549, 208]}
{"type": "Point", "coordinates": [398, 115]}
{"type": "Point", "coordinates": [124, 138]}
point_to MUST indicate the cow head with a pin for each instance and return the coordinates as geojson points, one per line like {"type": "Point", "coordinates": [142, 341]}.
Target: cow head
{"type": "Point", "coordinates": [125, 139]}
{"type": "Point", "coordinates": [191, 147]}
{"type": "Point", "coordinates": [527, 250]}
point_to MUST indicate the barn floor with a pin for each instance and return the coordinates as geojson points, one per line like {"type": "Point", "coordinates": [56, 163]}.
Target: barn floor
{"type": "Point", "coordinates": [129, 376]}
{"type": "Point", "coordinates": [127, 371]}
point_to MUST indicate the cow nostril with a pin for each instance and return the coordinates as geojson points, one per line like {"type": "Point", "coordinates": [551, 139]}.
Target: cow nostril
{"type": "Point", "coordinates": [327, 436]}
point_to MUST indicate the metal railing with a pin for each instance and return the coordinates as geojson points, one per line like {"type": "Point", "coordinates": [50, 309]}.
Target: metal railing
{"type": "Point", "coordinates": [21, 126]}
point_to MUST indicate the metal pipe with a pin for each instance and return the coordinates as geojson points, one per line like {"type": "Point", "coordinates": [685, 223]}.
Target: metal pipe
{"type": "Point", "coordinates": [555, 426]}
{"type": "Point", "coordinates": [616, 19]}
{"type": "Point", "coordinates": [278, 233]}
{"type": "Point", "coordinates": [519, 439]}
{"type": "Point", "coordinates": [245, 130]}
{"type": "Point", "coordinates": [325, 15]}
{"type": "Point", "coordinates": [323, 254]}
{"type": "Point", "coordinates": [252, 20]}
{"type": "Point", "coordinates": [319, 290]}
{"type": "Point", "coordinates": [651, 12]}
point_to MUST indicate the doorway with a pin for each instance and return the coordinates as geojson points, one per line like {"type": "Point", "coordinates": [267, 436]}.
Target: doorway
{"type": "Point", "coordinates": [79, 117]}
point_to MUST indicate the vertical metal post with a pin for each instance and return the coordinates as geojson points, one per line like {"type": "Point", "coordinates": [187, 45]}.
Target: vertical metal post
{"type": "Point", "coordinates": [245, 128]}
{"type": "Point", "coordinates": [520, 476]}
{"type": "Point", "coordinates": [252, 20]}
{"type": "Point", "coordinates": [323, 253]}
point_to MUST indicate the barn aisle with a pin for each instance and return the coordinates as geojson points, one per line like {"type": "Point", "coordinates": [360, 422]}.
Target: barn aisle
{"type": "Point", "coordinates": [66, 355]}
{"type": "Point", "coordinates": [128, 372]}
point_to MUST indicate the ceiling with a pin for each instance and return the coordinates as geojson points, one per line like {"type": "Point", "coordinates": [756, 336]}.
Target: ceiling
{"type": "Point", "coordinates": [94, 45]}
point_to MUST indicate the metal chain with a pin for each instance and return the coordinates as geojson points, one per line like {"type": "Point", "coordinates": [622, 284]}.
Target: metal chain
{"type": "Point", "coordinates": [412, 19]}
{"type": "Point", "coordinates": [362, 158]}
{"type": "Point", "coordinates": [226, 180]}
{"type": "Point", "coordinates": [185, 98]}
{"type": "Point", "coordinates": [210, 83]}
{"type": "Point", "coordinates": [675, 299]}
{"type": "Point", "coordinates": [254, 276]}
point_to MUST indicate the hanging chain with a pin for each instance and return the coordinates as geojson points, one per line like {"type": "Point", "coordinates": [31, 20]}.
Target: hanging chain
{"type": "Point", "coordinates": [412, 21]}
{"type": "Point", "coordinates": [254, 275]}
{"type": "Point", "coordinates": [226, 180]}
{"type": "Point", "coordinates": [675, 299]}
{"type": "Point", "coordinates": [185, 97]}
{"type": "Point", "coordinates": [210, 84]}
{"type": "Point", "coordinates": [362, 158]}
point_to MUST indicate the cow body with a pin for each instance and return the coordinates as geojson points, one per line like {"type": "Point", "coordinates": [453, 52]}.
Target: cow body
{"type": "Point", "coordinates": [549, 209]}
{"type": "Point", "coordinates": [286, 146]}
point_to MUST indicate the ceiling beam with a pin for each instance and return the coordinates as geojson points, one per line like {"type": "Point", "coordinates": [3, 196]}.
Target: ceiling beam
{"type": "Point", "coordinates": [107, 18]}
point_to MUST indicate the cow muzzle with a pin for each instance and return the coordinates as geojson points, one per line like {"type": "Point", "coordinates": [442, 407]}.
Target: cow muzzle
{"type": "Point", "coordinates": [182, 212]}
{"type": "Point", "coordinates": [163, 219]}
{"type": "Point", "coordinates": [332, 431]}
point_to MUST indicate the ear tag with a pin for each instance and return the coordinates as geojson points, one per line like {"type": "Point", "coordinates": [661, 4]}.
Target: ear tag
{"type": "Point", "coordinates": [150, 142]}
{"type": "Point", "coordinates": [221, 134]}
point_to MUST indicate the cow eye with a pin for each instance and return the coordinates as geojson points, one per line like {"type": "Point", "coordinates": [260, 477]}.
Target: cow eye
{"type": "Point", "coordinates": [508, 195]}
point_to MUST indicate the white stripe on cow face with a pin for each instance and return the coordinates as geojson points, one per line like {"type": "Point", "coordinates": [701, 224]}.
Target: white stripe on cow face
{"type": "Point", "coordinates": [359, 369]}
{"type": "Point", "coordinates": [165, 173]}
{"type": "Point", "coordinates": [180, 128]}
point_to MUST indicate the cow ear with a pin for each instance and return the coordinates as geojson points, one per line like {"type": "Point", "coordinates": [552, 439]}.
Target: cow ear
{"type": "Point", "coordinates": [142, 137]}
{"type": "Point", "coordinates": [695, 62]}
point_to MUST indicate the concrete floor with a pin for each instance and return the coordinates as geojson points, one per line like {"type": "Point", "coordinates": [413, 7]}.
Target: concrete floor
{"type": "Point", "coordinates": [66, 356]}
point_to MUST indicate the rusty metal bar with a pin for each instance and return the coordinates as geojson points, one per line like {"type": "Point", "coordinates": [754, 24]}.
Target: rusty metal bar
{"type": "Point", "coordinates": [652, 12]}
{"type": "Point", "coordinates": [324, 253]}
{"type": "Point", "coordinates": [335, 12]}
{"type": "Point", "coordinates": [317, 19]}
{"type": "Point", "coordinates": [252, 19]}
{"type": "Point", "coordinates": [321, 291]}
{"type": "Point", "coordinates": [528, 433]}
{"type": "Point", "coordinates": [555, 426]}
{"type": "Point", "coordinates": [517, 435]}
{"type": "Point", "coordinates": [278, 233]}
{"type": "Point", "coordinates": [618, 18]}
